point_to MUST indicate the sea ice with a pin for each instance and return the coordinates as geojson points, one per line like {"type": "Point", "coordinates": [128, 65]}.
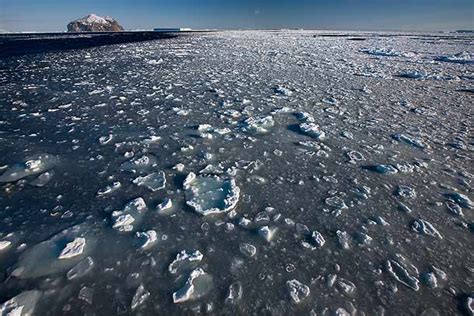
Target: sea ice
{"type": "Point", "coordinates": [197, 285]}
{"type": "Point", "coordinates": [185, 260]}
{"type": "Point", "coordinates": [459, 58]}
{"type": "Point", "coordinates": [164, 206]}
{"type": "Point", "coordinates": [154, 181]}
{"type": "Point", "coordinates": [33, 165]}
{"type": "Point", "coordinates": [403, 273]}
{"type": "Point", "coordinates": [133, 211]}
{"type": "Point", "coordinates": [247, 250]}
{"type": "Point", "coordinates": [72, 244]}
{"type": "Point", "coordinates": [298, 291]}
{"type": "Point", "coordinates": [313, 130]}
{"type": "Point", "coordinates": [148, 238]}
{"type": "Point", "coordinates": [82, 268]}
{"type": "Point", "coordinates": [73, 248]}
{"type": "Point", "coordinates": [140, 296]}
{"type": "Point", "coordinates": [424, 227]}
{"type": "Point", "coordinates": [388, 52]}
{"type": "Point", "coordinates": [258, 125]}
{"type": "Point", "coordinates": [211, 194]}
{"type": "Point", "coordinates": [22, 304]}
{"type": "Point", "coordinates": [267, 233]}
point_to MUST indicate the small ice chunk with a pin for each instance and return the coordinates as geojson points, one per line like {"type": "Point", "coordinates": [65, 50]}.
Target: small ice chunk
{"type": "Point", "coordinates": [298, 291]}
{"type": "Point", "coordinates": [283, 91]}
{"type": "Point", "coordinates": [133, 211]}
{"type": "Point", "coordinates": [387, 52]}
{"type": "Point", "coordinates": [386, 169]}
{"type": "Point", "coordinates": [344, 239]}
{"type": "Point", "coordinates": [154, 181]}
{"type": "Point", "coordinates": [461, 199]}
{"type": "Point", "coordinates": [149, 238]}
{"type": "Point", "coordinates": [103, 140]}
{"type": "Point", "coordinates": [142, 164]}
{"type": "Point", "coordinates": [247, 250]}
{"type": "Point", "coordinates": [235, 292]}
{"type": "Point", "coordinates": [165, 205]}
{"type": "Point", "coordinates": [318, 239]}
{"type": "Point", "coordinates": [258, 125]}
{"type": "Point", "coordinates": [414, 74]}
{"type": "Point", "coordinates": [73, 249]}
{"type": "Point", "coordinates": [140, 296]}
{"type": "Point", "coordinates": [406, 192]}
{"type": "Point", "coordinates": [109, 189]}
{"type": "Point", "coordinates": [424, 227]}
{"type": "Point", "coordinates": [313, 130]}
{"type": "Point", "coordinates": [346, 286]}
{"type": "Point", "coordinates": [416, 142]}
{"type": "Point", "coordinates": [197, 285]}
{"type": "Point", "coordinates": [267, 233]}
{"type": "Point", "coordinates": [185, 259]}
{"type": "Point", "coordinates": [403, 272]}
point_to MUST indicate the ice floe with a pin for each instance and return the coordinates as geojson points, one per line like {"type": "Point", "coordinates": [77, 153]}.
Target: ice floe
{"type": "Point", "coordinates": [198, 284]}
{"type": "Point", "coordinates": [33, 165]}
{"type": "Point", "coordinates": [211, 194]}
{"type": "Point", "coordinates": [297, 290]}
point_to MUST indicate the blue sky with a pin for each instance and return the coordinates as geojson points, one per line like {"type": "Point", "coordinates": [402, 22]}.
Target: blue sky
{"type": "Point", "coordinates": [53, 15]}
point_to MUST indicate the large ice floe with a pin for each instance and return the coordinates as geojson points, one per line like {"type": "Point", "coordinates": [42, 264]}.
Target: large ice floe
{"type": "Point", "coordinates": [34, 165]}
{"type": "Point", "coordinates": [210, 194]}
{"type": "Point", "coordinates": [57, 254]}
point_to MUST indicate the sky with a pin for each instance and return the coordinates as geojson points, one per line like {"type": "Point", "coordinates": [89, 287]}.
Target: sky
{"type": "Point", "coordinates": [422, 15]}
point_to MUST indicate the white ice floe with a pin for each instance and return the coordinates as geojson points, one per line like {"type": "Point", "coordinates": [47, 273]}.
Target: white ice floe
{"type": "Point", "coordinates": [387, 52]}
{"type": "Point", "coordinates": [154, 181]}
{"type": "Point", "coordinates": [73, 248]}
{"type": "Point", "coordinates": [33, 165]}
{"type": "Point", "coordinates": [404, 272]}
{"type": "Point", "coordinates": [142, 164]}
{"type": "Point", "coordinates": [22, 304]}
{"type": "Point", "coordinates": [459, 58]}
{"type": "Point", "coordinates": [166, 205]}
{"type": "Point", "coordinates": [5, 244]}
{"type": "Point", "coordinates": [313, 130]}
{"type": "Point", "coordinates": [211, 194]}
{"type": "Point", "coordinates": [147, 239]}
{"type": "Point", "coordinates": [422, 226]}
{"type": "Point", "coordinates": [416, 142]}
{"type": "Point", "coordinates": [267, 233]}
{"type": "Point", "coordinates": [297, 290]}
{"type": "Point", "coordinates": [185, 259]}
{"type": "Point", "coordinates": [139, 298]}
{"type": "Point", "coordinates": [197, 285]}
{"type": "Point", "coordinates": [258, 125]}
{"type": "Point", "coordinates": [72, 245]}
{"type": "Point", "coordinates": [247, 249]}
{"type": "Point", "coordinates": [125, 219]}
{"type": "Point", "coordinates": [109, 188]}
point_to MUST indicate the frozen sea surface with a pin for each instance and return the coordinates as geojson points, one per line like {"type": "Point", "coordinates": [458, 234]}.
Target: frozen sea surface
{"type": "Point", "coordinates": [329, 176]}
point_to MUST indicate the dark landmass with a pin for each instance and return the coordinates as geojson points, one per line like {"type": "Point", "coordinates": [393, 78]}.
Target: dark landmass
{"type": "Point", "coordinates": [94, 23]}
